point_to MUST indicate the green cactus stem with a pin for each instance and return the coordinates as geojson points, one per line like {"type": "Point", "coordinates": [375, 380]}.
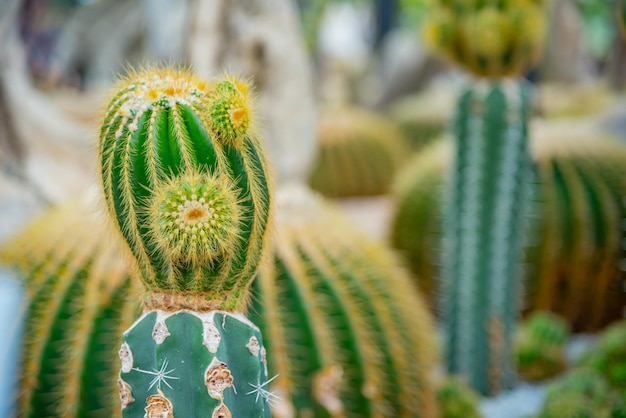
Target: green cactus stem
{"type": "Point", "coordinates": [484, 233]}
{"type": "Point", "coordinates": [540, 346]}
{"type": "Point", "coordinates": [185, 179]}
{"type": "Point", "coordinates": [347, 334]}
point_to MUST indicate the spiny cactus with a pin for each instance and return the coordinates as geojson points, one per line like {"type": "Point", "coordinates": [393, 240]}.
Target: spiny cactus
{"type": "Point", "coordinates": [490, 39]}
{"type": "Point", "coordinates": [573, 262]}
{"type": "Point", "coordinates": [456, 399]}
{"type": "Point", "coordinates": [184, 177]}
{"type": "Point", "coordinates": [346, 332]}
{"type": "Point", "coordinates": [540, 346]}
{"type": "Point", "coordinates": [359, 153]}
{"type": "Point", "coordinates": [581, 393]}
{"type": "Point", "coordinates": [80, 302]}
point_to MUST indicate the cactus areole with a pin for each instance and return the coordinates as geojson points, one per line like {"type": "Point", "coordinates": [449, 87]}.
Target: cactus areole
{"type": "Point", "coordinates": [185, 179]}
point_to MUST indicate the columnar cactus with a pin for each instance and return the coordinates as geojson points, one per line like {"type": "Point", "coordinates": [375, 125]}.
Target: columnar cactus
{"type": "Point", "coordinates": [80, 302]}
{"type": "Point", "coordinates": [359, 153]}
{"type": "Point", "coordinates": [185, 179]}
{"type": "Point", "coordinates": [574, 260]}
{"type": "Point", "coordinates": [347, 334]}
{"type": "Point", "coordinates": [540, 346]}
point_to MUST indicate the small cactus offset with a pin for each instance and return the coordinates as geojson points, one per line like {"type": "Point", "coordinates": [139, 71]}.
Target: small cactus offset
{"type": "Point", "coordinates": [457, 400]}
{"type": "Point", "coordinates": [359, 153]}
{"type": "Point", "coordinates": [540, 346]}
{"type": "Point", "coordinates": [484, 234]}
{"type": "Point", "coordinates": [80, 302]}
{"type": "Point", "coordinates": [185, 179]}
{"type": "Point", "coordinates": [490, 39]}
{"type": "Point", "coordinates": [347, 333]}
{"type": "Point", "coordinates": [574, 259]}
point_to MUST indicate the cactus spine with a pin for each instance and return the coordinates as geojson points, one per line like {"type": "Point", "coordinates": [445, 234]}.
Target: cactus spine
{"type": "Point", "coordinates": [347, 333]}
{"type": "Point", "coordinates": [185, 179]}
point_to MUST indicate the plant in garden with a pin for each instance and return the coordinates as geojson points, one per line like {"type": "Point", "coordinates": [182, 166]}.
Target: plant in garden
{"type": "Point", "coordinates": [185, 180]}
{"type": "Point", "coordinates": [359, 153]}
{"type": "Point", "coordinates": [540, 346]}
{"type": "Point", "coordinates": [456, 399]}
{"type": "Point", "coordinates": [573, 265]}
{"type": "Point", "coordinates": [346, 332]}
{"type": "Point", "coordinates": [491, 182]}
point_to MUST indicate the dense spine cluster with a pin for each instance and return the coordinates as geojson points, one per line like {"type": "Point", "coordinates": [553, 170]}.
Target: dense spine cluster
{"type": "Point", "coordinates": [346, 332]}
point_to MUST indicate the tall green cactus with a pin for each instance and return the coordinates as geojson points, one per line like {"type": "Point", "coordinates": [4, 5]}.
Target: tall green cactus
{"type": "Point", "coordinates": [574, 260]}
{"type": "Point", "coordinates": [359, 153]}
{"type": "Point", "coordinates": [185, 179]}
{"type": "Point", "coordinates": [347, 334]}
{"type": "Point", "coordinates": [484, 232]}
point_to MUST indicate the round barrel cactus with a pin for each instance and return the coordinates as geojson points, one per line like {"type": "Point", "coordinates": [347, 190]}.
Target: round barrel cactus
{"type": "Point", "coordinates": [575, 245]}
{"type": "Point", "coordinates": [346, 332]}
{"type": "Point", "coordinates": [359, 153]}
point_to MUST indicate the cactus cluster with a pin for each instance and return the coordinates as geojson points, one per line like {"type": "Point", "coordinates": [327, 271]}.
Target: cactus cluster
{"type": "Point", "coordinates": [347, 333]}
{"type": "Point", "coordinates": [359, 153]}
{"type": "Point", "coordinates": [79, 302]}
{"type": "Point", "coordinates": [573, 258]}
{"type": "Point", "coordinates": [185, 179]}
{"type": "Point", "coordinates": [490, 39]}
{"type": "Point", "coordinates": [540, 346]}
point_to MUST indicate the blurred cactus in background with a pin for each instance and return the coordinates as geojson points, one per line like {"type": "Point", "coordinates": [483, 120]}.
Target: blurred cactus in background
{"type": "Point", "coordinates": [185, 179]}
{"type": "Point", "coordinates": [573, 264]}
{"type": "Point", "coordinates": [79, 302]}
{"type": "Point", "coordinates": [346, 332]}
{"type": "Point", "coordinates": [540, 346]}
{"type": "Point", "coordinates": [457, 400]}
{"type": "Point", "coordinates": [490, 39]}
{"type": "Point", "coordinates": [359, 153]}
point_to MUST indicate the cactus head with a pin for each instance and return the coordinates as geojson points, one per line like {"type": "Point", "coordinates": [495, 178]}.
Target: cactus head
{"type": "Point", "coordinates": [185, 178]}
{"type": "Point", "coordinates": [489, 39]}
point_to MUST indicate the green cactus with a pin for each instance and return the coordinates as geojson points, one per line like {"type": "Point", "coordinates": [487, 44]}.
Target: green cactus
{"type": "Point", "coordinates": [347, 334]}
{"type": "Point", "coordinates": [456, 399]}
{"type": "Point", "coordinates": [359, 153]}
{"type": "Point", "coordinates": [540, 346]}
{"type": "Point", "coordinates": [484, 233]}
{"type": "Point", "coordinates": [80, 302]}
{"type": "Point", "coordinates": [608, 356]}
{"type": "Point", "coordinates": [185, 179]}
{"type": "Point", "coordinates": [582, 393]}
{"type": "Point", "coordinates": [490, 39]}
{"type": "Point", "coordinates": [573, 262]}
{"type": "Point", "coordinates": [621, 16]}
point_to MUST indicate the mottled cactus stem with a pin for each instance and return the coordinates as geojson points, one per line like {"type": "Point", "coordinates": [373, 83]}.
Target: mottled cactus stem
{"type": "Point", "coordinates": [483, 233]}
{"type": "Point", "coordinates": [184, 177]}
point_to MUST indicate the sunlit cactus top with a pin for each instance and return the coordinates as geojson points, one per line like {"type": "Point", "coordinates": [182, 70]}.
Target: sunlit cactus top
{"type": "Point", "coordinates": [185, 178]}
{"type": "Point", "coordinates": [491, 38]}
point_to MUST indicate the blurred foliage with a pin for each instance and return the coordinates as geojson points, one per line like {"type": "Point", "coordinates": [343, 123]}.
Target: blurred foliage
{"type": "Point", "coordinates": [598, 19]}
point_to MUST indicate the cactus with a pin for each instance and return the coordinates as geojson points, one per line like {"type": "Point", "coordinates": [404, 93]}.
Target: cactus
{"type": "Point", "coordinates": [540, 346]}
{"type": "Point", "coordinates": [490, 39]}
{"type": "Point", "coordinates": [608, 356]}
{"type": "Point", "coordinates": [581, 393]}
{"type": "Point", "coordinates": [185, 179]}
{"type": "Point", "coordinates": [359, 153]}
{"type": "Point", "coordinates": [456, 399]}
{"type": "Point", "coordinates": [347, 334]}
{"type": "Point", "coordinates": [79, 303]}
{"type": "Point", "coordinates": [573, 264]}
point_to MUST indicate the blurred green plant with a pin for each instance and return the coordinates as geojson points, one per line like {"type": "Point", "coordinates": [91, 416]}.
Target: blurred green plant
{"type": "Point", "coordinates": [456, 399]}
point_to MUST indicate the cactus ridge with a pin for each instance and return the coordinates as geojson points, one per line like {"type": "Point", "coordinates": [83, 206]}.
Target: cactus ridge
{"type": "Point", "coordinates": [167, 129]}
{"type": "Point", "coordinates": [362, 304]}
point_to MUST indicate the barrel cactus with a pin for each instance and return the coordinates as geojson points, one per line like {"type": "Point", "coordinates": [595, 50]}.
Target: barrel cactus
{"type": "Point", "coordinates": [540, 346]}
{"type": "Point", "coordinates": [359, 153]}
{"type": "Point", "coordinates": [347, 333]}
{"type": "Point", "coordinates": [184, 178]}
{"type": "Point", "coordinates": [456, 399]}
{"type": "Point", "coordinates": [573, 261]}
{"type": "Point", "coordinates": [80, 302]}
